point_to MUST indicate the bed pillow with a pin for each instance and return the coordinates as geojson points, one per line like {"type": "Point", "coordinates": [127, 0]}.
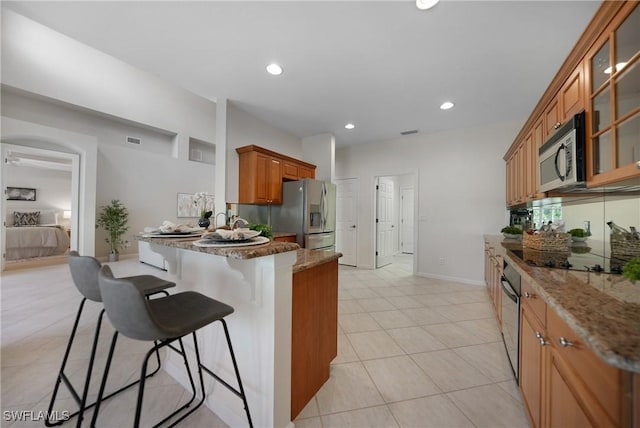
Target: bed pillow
{"type": "Point", "coordinates": [26, 219]}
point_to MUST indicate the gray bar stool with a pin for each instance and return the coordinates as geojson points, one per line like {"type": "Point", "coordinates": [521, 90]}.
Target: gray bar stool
{"type": "Point", "coordinates": [165, 320]}
{"type": "Point", "coordinates": [84, 272]}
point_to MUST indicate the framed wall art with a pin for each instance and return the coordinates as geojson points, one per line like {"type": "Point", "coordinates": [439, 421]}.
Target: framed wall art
{"type": "Point", "coordinates": [186, 205]}
{"type": "Point", "coordinates": [21, 194]}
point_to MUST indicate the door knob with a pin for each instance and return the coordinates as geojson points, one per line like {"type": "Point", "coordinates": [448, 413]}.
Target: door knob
{"type": "Point", "coordinates": [353, 226]}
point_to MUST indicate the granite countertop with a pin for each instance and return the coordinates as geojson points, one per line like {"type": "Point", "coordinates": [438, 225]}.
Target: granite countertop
{"type": "Point", "coordinates": [309, 258]}
{"type": "Point", "coordinates": [241, 253]}
{"type": "Point", "coordinates": [305, 259]}
{"type": "Point", "coordinates": [603, 309]}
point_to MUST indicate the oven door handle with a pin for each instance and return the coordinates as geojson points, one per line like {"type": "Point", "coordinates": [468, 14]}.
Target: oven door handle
{"type": "Point", "coordinates": [506, 287]}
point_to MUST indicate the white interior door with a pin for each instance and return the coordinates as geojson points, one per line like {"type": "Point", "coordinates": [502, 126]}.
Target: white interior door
{"type": "Point", "coordinates": [384, 222]}
{"type": "Point", "coordinates": [406, 220]}
{"type": "Point", "coordinates": [346, 220]}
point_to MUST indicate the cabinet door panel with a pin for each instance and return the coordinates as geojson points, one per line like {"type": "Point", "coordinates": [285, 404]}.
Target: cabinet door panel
{"type": "Point", "coordinates": [274, 181]}
{"type": "Point", "coordinates": [564, 410]}
{"type": "Point", "coordinates": [531, 364]}
{"type": "Point", "coordinates": [290, 170]}
{"type": "Point", "coordinates": [571, 94]}
{"type": "Point", "coordinates": [598, 381]}
{"type": "Point", "coordinates": [261, 189]}
{"type": "Point", "coordinates": [551, 118]}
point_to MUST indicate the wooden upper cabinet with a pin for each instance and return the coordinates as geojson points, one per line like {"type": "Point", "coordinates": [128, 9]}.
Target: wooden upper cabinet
{"type": "Point", "coordinates": [613, 108]}
{"type": "Point", "coordinates": [552, 118]}
{"type": "Point", "coordinates": [262, 171]}
{"type": "Point", "coordinates": [290, 170]}
{"type": "Point", "coordinates": [568, 102]}
{"type": "Point", "coordinates": [571, 95]}
{"type": "Point", "coordinates": [306, 172]}
{"type": "Point", "coordinates": [600, 75]}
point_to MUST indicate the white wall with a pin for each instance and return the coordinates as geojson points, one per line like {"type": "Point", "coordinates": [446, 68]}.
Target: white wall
{"type": "Point", "coordinates": [460, 187]}
{"type": "Point", "coordinates": [53, 187]}
{"type": "Point", "coordinates": [243, 130]}
{"type": "Point", "coordinates": [320, 150]}
{"type": "Point", "coordinates": [50, 79]}
{"type": "Point", "coordinates": [146, 181]}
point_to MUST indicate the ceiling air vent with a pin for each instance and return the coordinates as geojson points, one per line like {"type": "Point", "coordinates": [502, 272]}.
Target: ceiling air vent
{"type": "Point", "coordinates": [413, 131]}
{"type": "Point", "coordinates": [134, 140]}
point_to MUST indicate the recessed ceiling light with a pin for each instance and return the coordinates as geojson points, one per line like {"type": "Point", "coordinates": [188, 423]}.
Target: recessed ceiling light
{"type": "Point", "coordinates": [446, 105]}
{"type": "Point", "coordinates": [274, 69]}
{"type": "Point", "coordinates": [426, 4]}
{"type": "Point", "coordinates": [349, 126]}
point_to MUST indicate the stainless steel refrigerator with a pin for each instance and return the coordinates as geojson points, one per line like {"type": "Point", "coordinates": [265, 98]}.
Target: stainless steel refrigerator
{"type": "Point", "coordinates": [308, 209]}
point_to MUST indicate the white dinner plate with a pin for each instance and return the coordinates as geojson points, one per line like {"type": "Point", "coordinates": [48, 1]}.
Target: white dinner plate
{"type": "Point", "coordinates": [208, 243]}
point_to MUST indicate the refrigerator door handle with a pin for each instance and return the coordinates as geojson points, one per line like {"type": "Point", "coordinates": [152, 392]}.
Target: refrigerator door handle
{"type": "Point", "coordinates": [323, 204]}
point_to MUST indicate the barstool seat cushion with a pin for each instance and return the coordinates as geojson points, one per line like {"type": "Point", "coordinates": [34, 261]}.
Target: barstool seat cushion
{"type": "Point", "coordinates": [150, 284]}
{"type": "Point", "coordinates": [185, 312]}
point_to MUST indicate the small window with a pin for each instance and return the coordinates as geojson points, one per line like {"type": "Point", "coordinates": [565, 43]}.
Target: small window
{"type": "Point", "coordinates": [545, 214]}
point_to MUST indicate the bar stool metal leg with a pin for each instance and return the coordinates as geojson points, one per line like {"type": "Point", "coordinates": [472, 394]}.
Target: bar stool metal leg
{"type": "Point", "coordinates": [240, 393]}
{"type": "Point", "coordinates": [141, 382]}
{"type": "Point", "coordinates": [62, 377]}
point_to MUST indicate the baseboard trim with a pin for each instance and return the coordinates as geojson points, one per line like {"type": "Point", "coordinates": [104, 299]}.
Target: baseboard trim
{"type": "Point", "coordinates": [451, 278]}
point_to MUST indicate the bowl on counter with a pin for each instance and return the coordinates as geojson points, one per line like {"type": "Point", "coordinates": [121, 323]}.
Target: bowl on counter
{"type": "Point", "coordinates": [579, 238]}
{"type": "Point", "coordinates": [511, 236]}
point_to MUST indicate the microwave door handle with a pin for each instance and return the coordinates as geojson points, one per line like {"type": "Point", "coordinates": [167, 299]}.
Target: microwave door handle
{"type": "Point", "coordinates": [555, 161]}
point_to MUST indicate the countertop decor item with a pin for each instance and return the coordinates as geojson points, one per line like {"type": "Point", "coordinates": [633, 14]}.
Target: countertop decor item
{"type": "Point", "coordinates": [547, 241]}
{"type": "Point", "coordinates": [113, 218]}
{"type": "Point", "coordinates": [264, 228]}
{"type": "Point", "coordinates": [511, 232]}
{"type": "Point", "coordinates": [631, 269]}
{"type": "Point", "coordinates": [578, 235]}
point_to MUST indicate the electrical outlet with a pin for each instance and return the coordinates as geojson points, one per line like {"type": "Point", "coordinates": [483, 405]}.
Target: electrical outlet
{"type": "Point", "coordinates": [441, 261]}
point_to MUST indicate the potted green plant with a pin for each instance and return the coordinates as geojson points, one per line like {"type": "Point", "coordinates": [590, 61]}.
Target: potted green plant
{"type": "Point", "coordinates": [578, 235]}
{"type": "Point", "coordinates": [113, 218]}
{"type": "Point", "coordinates": [511, 232]}
{"type": "Point", "coordinates": [631, 269]}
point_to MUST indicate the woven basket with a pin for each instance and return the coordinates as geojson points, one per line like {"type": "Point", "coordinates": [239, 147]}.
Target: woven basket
{"type": "Point", "coordinates": [624, 245]}
{"type": "Point", "coordinates": [558, 242]}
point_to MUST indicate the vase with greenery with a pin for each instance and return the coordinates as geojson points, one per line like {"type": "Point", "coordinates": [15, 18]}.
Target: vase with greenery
{"type": "Point", "coordinates": [113, 218]}
{"type": "Point", "coordinates": [631, 269]}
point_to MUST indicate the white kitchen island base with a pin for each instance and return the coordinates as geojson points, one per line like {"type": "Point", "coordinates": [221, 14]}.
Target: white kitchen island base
{"type": "Point", "coordinates": [259, 289]}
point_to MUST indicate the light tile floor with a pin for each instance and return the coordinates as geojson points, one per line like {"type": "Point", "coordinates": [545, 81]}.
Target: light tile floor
{"type": "Point", "coordinates": [412, 352]}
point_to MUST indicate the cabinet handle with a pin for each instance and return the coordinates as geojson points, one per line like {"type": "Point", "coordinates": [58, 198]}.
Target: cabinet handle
{"type": "Point", "coordinates": [557, 125]}
{"type": "Point", "coordinates": [540, 338]}
{"type": "Point", "coordinates": [529, 295]}
{"type": "Point", "coordinates": [564, 342]}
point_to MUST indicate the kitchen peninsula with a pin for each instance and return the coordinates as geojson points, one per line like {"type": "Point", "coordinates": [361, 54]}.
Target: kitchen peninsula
{"type": "Point", "coordinates": [278, 292]}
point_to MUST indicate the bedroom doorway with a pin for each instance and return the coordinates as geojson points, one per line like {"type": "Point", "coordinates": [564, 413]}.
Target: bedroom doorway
{"type": "Point", "coordinates": [46, 182]}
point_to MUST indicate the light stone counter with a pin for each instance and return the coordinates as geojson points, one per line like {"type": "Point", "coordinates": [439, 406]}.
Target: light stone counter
{"type": "Point", "coordinates": [603, 309]}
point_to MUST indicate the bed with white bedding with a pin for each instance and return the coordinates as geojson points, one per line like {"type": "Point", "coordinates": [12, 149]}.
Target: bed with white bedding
{"type": "Point", "coordinates": [25, 240]}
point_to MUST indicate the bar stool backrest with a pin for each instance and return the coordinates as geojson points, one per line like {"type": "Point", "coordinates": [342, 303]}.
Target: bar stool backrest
{"type": "Point", "coordinates": [127, 308]}
{"type": "Point", "coordinates": [84, 271]}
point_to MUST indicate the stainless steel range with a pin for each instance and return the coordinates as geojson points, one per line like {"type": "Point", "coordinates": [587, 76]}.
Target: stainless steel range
{"type": "Point", "coordinates": [511, 314]}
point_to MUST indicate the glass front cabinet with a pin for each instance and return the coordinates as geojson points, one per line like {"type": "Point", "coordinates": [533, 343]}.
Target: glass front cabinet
{"type": "Point", "coordinates": [613, 107]}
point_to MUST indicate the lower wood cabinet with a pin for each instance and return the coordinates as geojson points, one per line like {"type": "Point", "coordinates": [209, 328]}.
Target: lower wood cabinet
{"type": "Point", "coordinates": [563, 383]}
{"type": "Point", "coordinates": [314, 333]}
{"type": "Point", "coordinates": [533, 345]}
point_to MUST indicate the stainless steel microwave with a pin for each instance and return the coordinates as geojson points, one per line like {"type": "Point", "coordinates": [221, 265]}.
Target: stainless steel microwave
{"type": "Point", "coordinates": [562, 159]}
